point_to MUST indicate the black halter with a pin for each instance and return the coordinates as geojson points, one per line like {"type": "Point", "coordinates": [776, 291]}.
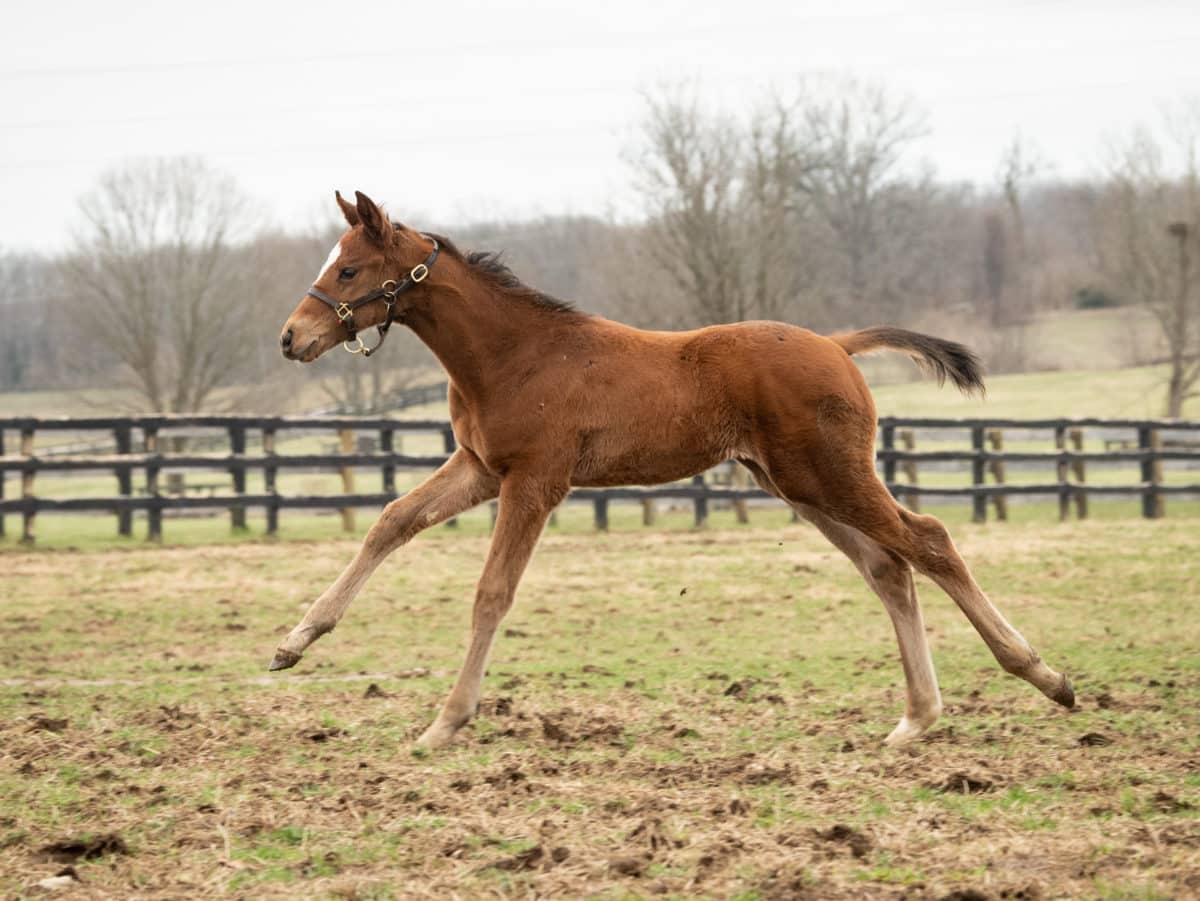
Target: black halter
{"type": "Point", "coordinates": [387, 292]}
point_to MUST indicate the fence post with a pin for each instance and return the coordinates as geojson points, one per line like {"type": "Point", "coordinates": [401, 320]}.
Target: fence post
{"type": "Point", "coordinates": [1064, 492]}
{"type": "Point", "coordinates": [909, 439]}
{"type": "Point", "coordinates": [740, 478]}
{"type": "Point", "coordinates": [449, 446]}
{"type": "Point", "coordinates": [270, 473]}
{"type": "Point", "coordinates": [600, 511]}
{"type": "Point", "coordinates": [346, 437]}
{"type": "Point", "coordinates": [649, 511]}
{"type": "Point", "coordinates": [701, 503]}
{"type": "Point", "coordinates": [1150, 440]}
{"type": "Point", "coordinates": [386, 443]}
{"type": "Point", "coordinates": [123, 435]}
{"type": "Point", "coordinates": [1080, 472]}
{"type": "Point", "coordinates": [999, 501]}
{"type": "Point", "coordinates": [3, 477]}
{"type": "Point", "coordinates": [154, 512]}
{"type": "Point", "coordinates": [237, 446]}
{"type": "Point", "coordinates": [28, 514]}
{"type": "Point", "coordinates": [978, 499]}
{"type": "Point", "coordinates": [889, 464]}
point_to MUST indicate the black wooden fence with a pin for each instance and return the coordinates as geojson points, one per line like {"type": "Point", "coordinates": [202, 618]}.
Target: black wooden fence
{"type": "Point", "coordinates": [147, 446]}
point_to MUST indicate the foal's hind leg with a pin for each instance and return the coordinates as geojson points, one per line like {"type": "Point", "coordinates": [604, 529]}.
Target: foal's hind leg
{"type": "Point", "coordinates": [846, 490]}
{"type": "Point", "coordinates": [931, 551]}
{"type": "Point", "coordinates": [925, 543]}
{"type": "Point", "coordinates": [890, 577]}
{"type": "Point", "coordinates": [458, 485]}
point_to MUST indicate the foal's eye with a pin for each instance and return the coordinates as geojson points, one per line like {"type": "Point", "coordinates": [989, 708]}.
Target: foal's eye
{"type": "Point", "coordinates": [346, 274]}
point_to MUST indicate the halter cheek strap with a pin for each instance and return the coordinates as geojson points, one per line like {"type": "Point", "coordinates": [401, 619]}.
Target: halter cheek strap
{"type": "Point", "coordinates": [387, 292]}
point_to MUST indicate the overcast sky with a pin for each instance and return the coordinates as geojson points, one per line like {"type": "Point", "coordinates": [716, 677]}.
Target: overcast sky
{"type": "Point", "coordinates": [454, 111]}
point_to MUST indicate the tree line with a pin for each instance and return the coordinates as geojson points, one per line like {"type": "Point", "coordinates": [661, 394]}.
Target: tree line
{"type": "Point", "coordinates": [812, 207]}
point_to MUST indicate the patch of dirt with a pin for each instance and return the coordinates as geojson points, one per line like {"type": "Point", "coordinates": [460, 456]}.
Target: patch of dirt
{"type": "Point", "coordinates": [569, 729]}
{"type": "Point", "coordinates": [39, 723]}
{"type": "Point", "coordinates": [525, 860]}
{"type": "Point", "coordinates": [323, 734]}
{"type": "Point", "coordinates": [962, 783]}
{"type": "Point", "coordinates": [858, 843]}
{"type": "Point", "coordinates": [87, 848]}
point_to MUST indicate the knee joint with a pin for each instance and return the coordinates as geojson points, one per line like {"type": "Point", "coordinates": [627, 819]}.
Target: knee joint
{"type": "Point", "coordinates": [1019, 663]}
{"type": "Point", "coordinates": [889, 572]}
{"type": "Point", "coordinates": [491, 603]}
{"type": "Point", "coordinates": [393, 529]}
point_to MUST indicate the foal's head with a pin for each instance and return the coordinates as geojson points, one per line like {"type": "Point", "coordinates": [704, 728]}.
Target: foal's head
{"type": "Point", "coordinates": [373, 254]}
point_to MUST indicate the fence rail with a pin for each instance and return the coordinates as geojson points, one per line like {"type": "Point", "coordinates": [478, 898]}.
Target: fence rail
{"type": "Point", "coordinates": [1146, 448]}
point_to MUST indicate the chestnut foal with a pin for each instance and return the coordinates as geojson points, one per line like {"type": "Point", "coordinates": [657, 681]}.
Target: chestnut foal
{"type": "Point", "coordinates": [543, 398]}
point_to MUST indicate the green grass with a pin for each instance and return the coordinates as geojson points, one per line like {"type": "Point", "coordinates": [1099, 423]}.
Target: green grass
{"type": "Point", "coordinates": [222, 779]}
{"type": "Point", "coordinates": [1135, 393]}
{"type": "Point", "coordinates": [75, 531]}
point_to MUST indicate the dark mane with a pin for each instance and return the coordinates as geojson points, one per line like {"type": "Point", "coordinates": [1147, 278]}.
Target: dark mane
{"type": "Point", "coordinates": [489, 266]}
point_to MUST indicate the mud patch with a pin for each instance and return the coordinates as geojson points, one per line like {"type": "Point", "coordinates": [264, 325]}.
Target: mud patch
{"type": "Point", "coordinates": [86, 848]}
{"type": "Point", "coordinates": [840, 834]}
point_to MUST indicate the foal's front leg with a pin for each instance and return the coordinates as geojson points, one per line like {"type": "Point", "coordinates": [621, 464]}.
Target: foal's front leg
{"type": "Point", "coordinates": [525, 505]}
{"type": "Point", "coordinates": [458, 485]}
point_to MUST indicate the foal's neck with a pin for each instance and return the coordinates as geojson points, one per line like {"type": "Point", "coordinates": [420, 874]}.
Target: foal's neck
{"type": "Point", "coordinates": [474, 329]}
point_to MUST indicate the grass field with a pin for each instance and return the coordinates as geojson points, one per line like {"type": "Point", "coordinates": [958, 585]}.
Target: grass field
{"type": "Point", "coordinates": [668, 713]}
{"type": "Point", "coordinates": [1133, 393]}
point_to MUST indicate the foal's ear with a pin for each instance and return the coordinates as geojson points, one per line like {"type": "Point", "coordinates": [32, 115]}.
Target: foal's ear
{"type": "Point", "coordinates": [348, 209]}
{"type": "Point", "coordinates": [375, 225]}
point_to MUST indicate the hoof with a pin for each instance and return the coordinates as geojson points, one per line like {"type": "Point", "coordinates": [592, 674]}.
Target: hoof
{"type": "Point", "coordinates": [437, 735]}
{"type": "Point", "coordinates": [283, 660]}
{"type": "Point", "coordinates": [1064, 694]}
{"type": "Point", "coordinates": [907, 731]}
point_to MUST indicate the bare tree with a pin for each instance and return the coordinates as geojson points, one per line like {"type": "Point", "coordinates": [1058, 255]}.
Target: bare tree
{"type": "Point", "coordinates": [1009, 261]}
{"type": "Point", "coordinates": [776, 162]}
{"type": "Point", "coordinates": [688, 171]}
{"type": "Point", "coordinates": [26, 348]}
{"type": "Point", "coordinates": [158, 284]}
{"type": "Point", "coordinates": [863, 209]}
{"type": "Point", "coordinates": [1148, 239]}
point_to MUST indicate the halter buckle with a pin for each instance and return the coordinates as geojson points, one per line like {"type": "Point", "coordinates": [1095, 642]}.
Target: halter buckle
{"type": "Point", "coordinates": [419, 273]}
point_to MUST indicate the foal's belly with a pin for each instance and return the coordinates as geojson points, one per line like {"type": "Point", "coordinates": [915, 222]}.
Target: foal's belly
{"type": "Point", "coordinates": [608, 463]}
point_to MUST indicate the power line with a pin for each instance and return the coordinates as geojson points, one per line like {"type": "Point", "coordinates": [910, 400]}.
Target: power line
{"type": "Point", "coordinates": [435, 140]}
{"type": "Point", "coordinates": [617, 40]}
{"type": "Point", "coordinates": [307, 149]}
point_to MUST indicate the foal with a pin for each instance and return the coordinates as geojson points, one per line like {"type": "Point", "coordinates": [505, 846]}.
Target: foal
{"type": "Point", "coordinates": [543, 398]}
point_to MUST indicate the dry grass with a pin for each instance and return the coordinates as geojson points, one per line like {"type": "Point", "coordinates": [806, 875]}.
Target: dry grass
{"type": "Point", "coordinates": [686, 714]}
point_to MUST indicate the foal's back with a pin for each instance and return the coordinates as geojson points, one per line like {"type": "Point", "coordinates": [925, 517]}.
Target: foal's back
{"type": "Point", "coordinates": [652, 407]}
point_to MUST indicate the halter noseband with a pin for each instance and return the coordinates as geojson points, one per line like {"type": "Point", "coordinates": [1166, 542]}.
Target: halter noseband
{"type": "Point", "coordinates": [387, 292]}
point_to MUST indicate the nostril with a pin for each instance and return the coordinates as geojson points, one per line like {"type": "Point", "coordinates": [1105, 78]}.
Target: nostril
{"type": "Point", "coordinates": [285, 340]}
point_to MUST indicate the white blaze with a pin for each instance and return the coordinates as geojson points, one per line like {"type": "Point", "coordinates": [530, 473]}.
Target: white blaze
{"type": "Point", "coordinates": [330, 260]}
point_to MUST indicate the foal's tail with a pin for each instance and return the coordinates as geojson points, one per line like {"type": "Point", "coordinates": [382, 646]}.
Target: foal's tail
{"type": "Point", "coordinates": [942, 358]}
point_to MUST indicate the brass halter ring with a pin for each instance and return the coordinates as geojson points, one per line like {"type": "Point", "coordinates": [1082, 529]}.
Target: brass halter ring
{"type": "Point", "coordinates": [349, 346]}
